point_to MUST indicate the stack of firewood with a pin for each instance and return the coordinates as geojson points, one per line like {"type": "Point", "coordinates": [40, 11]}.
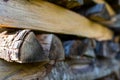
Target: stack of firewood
{"type": "Point", "coordinates": [59, 40]}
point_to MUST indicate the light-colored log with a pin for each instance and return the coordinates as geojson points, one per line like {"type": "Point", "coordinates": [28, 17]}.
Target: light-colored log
{"type": "Point", "coordinates": [45, 16]}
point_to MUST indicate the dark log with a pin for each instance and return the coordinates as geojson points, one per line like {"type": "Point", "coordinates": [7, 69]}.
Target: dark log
{"type": "Point", "coordinates": [109, 8]}
{"type": "Point", "coordinates": [21, 46]}
{"type": "Point", "coordinates": [109, 77]}
{"type": "Point", "coordinates": [98, 13]}
{"type": "Point", "coordinates": [108, 49]}
{"type": "Point", "coordinates": [101, 68]}
{"type": "Point", "coordinates": [61, 71]}
{"type": "Point", "coordinates": [77, 48]}
{"type": "Point", "coordinates": [114, 23]}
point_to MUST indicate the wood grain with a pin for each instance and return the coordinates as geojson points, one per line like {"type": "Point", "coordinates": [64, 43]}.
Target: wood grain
{"type": "Point", "coordinates": [52, 46]}
{"type": "Point", "coordinates": [45, 16]}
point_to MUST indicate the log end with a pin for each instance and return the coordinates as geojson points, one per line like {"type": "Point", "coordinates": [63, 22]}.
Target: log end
{"type": "Point", "coordinates": [31, 50]}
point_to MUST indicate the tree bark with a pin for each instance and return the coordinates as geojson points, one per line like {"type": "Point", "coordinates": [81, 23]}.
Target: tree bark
{"type": "Point", "coordinates": [21, 46]}
{"type": "Point", "coordinates": [24, 46]}
{"type": "Point", "coordinates": [102, 68]}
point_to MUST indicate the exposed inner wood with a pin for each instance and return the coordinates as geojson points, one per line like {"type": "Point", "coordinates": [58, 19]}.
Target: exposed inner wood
{"type": "Point", "coordinates": [45, 16]}
{"type": "Point", "coordinates": [52, 46]}
{"type": "Point", "coordinates": [21, 46]}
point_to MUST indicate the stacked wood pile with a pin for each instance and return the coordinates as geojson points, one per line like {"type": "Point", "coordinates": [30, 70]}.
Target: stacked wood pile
{"type": "Point", "coordinates": [59, 40]}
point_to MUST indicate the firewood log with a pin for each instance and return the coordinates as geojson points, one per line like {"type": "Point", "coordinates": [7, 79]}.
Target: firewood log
{"type": "Point", "coordinates": [109, 8]}
{"type": "Point", "coordinates": [45, 16]}
{"type": "Point", "coordinates": [113, 23]}
{"type": "Point", "coordinates": [16, 71]}
{"type": "Point", "coordinates": [107, 49]}
{"type": "Point", "coordinates": [24, 46]}
{"type": "Point", "coordinates": [101, 68]}
{"type": "Point", "coordinates": [52, 46]}
{"type": "Point", "coordinates": [21, 46]}
{"type": "Point", "coordinates": [98, 13]}
{"type": "Point", "coordinates": [76, 48]}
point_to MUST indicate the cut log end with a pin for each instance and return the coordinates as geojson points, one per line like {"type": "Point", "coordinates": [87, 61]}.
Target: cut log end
{"type": "Point", "coordinates": [31, 50]}
{"type": "Point", "coordinates": [56, 51]}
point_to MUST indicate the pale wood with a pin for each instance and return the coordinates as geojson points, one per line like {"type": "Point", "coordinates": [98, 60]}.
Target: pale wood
{"type": "Point", "coordinates": [45, 16]}
{"type": "Point", "coordinates": [21, 46]}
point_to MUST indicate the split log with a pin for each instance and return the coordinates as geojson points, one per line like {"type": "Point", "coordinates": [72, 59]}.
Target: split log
{"type": "Point", "coordinates": [109, 8]}
{"type": "Point", "coordinates": [101, 68]}
{"type": "Point", "coordinates": [98, 13]}
{"type": "Point", "coordinates": [21, 46]}
{"type": "Point", "coordinates": [76, 48]}
{"type": "Point", "coordinates": [45, 16]}
{"type": "Point", "coordinates": [52, 46]}
{"type": "Point", "coordinates": [24, 46]}
{"type": "Point", "coordinates": [62, 70]}
{"type": "Point", "coordinates": [114, 22]}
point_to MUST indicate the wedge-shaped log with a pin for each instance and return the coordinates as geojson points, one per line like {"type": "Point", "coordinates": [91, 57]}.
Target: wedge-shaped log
{"type": "Point", "coordinates": [98, 13]}
{"type": "Point", "coordinates": [21, 46]}
{"type": "Point", "coordinates": [109, 8]}
{"type": "Point", "coordinates": [52, 46]}
{"type": "Point", "coordinates": [75, 48]}
{"type": "Point", "coordinates": [44, 16]}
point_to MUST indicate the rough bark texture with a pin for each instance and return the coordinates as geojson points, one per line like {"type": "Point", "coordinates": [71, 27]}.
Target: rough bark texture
{"type": "Point", "coordinates": [24, 46]}
{"type": "Point", "coordinates": [21, 46]}
{"type": "Point", "coordinates": [61, 71]}
{"type": "Point", "coordinates": [15, 71]}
